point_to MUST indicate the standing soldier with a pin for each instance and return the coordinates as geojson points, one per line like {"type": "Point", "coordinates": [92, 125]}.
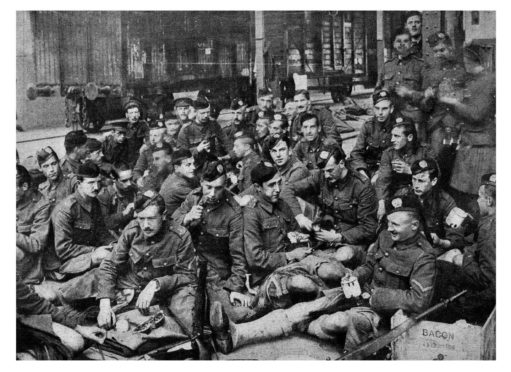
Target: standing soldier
{"type": "Point", "coordinates": [244, 150]}
{"type": "Point", "coordinates": [264, 104]}
{"type": "Point", "coordinates": [115, 146]}
{"type": "Point", "coordinates": [413, 24]}
{"type": "Point", "coordinates": [32, 228]}
{"type": "Point", "coordinates": [136, 131]}
{"type": "Point", "coordinates": [75, 143]}
{"type": "Point", "coordinates": [180, 183]}
{"type": "Point", "coordinates": [313, 141]}
{"type": "Point", "coordinates": [374, 137]}
{"type": "Point", "coordinates": [215, 221]}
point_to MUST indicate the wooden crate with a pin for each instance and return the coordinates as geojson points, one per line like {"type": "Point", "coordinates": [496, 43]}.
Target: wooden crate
{"type": "Point", "coordinates": [436, 341]}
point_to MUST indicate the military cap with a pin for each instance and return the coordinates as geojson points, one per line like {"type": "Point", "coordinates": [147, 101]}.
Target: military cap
{"type": "Point", "coordinates": [120, 125]}
{"type": "Point", "coordinates": [437, 38]}
{"type": "Point", "coordinates": [88, 170]}
{"type": "Point", "coordinates": [130, 104]}
{"type": "Point", "coordinates": [263, 172]}
{"type": "Point", "coordinates": [45, 153]}
{"type": "Point", "coordinates": [264, 115]}
{"type": "Point", "coordinates": [412, 13]}
{"type": "Point", "coordinates": [212, 171]}
{"type": "Point", "coordinates": [278, 116]}
{"type": "Point", "coordinates": [329, 151]}
{"type": "Point", "coordinates": [308, 116]}
{"type": "Point", "coordinates": [165, 146]}
{"type": "Point", "coordinates": [201, 103]}
{"type": "Point", "coordinates": [489, 180]}
{"type": "Point", "coordinates": [171, 118]}
{"type": "Point", "coordinates": [183, 102]}
{"type": "Point", "coordinates": [147, 198]}
{"type": "Point", "coordinates": [156, 124]}
{"type": "Point", "coordinates": [405, 203]}
{"type": "Point", "coordinates": [381, 95]}
{"type": "Point", "coordinates": [22, 175]}
{"type": "Point", "coordinates": [237, 103]}
{"type": "Point", "coordinates": [75, 138]}
{"type": "Point", "coordinates": [93, 144]}
{"type": "Point", "coordinates": [424, 165]}
{"type": "Point", "coordinates": [264, 92]}
{"type": "Point", "coordinates": [401, 120]}
{"type": "Point", "coordinates": [180, 155]}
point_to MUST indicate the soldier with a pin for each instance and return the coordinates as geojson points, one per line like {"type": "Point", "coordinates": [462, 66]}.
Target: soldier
{"type": "Point", "coordinates": [215, 221]}
{"type": "Point", "coordinates": [117, 200]}
{"type": "Point", "coordinates": [75, 143]}
{"type": "Point", "coordinates": [57, 185]}
{"type": "Point", "coordinates": [203, 137]}
{"type": "Point", "coordinates": [290, 111]}
{"type": "Point", "coordinates": [437, 206]}
{"type": "Point", "coordinates": [180, 183]}
{"type": "Point", "coordinates": [403, 75]}
{"type": "Point", "coordinates": [81, 238]}
{"type": "Point", "coordinates": [278, 125]}
{"type": "Point", "coordinates": [244, 150]}
{"type": "Point", "coordinates": [264, 104]}
{"type": "Point", "coordinates": [413, 24]}
{"type": "Point", "coordinates": [262, 129]}
{"type": "Point", "coordinates": [374, 137]}
{"type": "Point", "coordinates": [475, 268]}
{"type": "Point", "coordinates": [32, 228]}
{"type": "Point", "coordinates": [239, 122]}
{"type": "Point", "coordinates": [95, 154]}
{"type": "Point", "coordinates": [182, 107]}
{"type": "Point", "coordinates": [160, 170]}
{"type": "Point", "coordinates": [153, 260]}
{"type": "Point", "coordinates": [115, 147]}
{"type": "Point", "coordinates": [347, 201]}
{"type": "Point", "coordinates": [312, 142]}
{"type": "Point", "coordinates": [398, 274]}
{"type": "Point", "coordinates": [145, 159]}
{"type": "Point", "coordinates": [173, 125]}
{"type": "Point", "coordinates": [136, 132]}
{"type": "Point", "coordinates": [395, 176]}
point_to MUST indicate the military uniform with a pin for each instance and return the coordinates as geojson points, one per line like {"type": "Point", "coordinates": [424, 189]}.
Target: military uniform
{"type": "Point", "coordinates": [325, 119]}
{"type": "Point", "coordinates": [54, 192]}
{"type": "Point", "coordinates": [373, 139]}
{"type": "Point", "coordinates": [265, 230]}
{"type": "Point", "coordinates": [144, 162]}
{"type": "Point", "coordinates": [308, 152]}
{"type": "Point", "coordinates": [154, 180]}
{"type": "Point", "coordinates": [79, 228]}
{"type": "Point", "coordinates": [389, 182]}
{"type": "Point", "coordinates": [113, 202]}
{"type": "Point", "coordinates": [32, 230]}
{"type": "Point", "coordinates": [254, 111]}
{"type": "Point", "coordinates": [174, 191]}
{"type": "Point", "coordinates": [233, 128]}
{"type": "Point", "coordinates": [136, 134]}
{"type": "Point", "coordinates": [249, 162]}
{"type": "Point", "coordinates": [69, 166]}
{"type": "Point", "coordinates": [115, 153]}
{"type": "Point", "coordinates": [192, 135]}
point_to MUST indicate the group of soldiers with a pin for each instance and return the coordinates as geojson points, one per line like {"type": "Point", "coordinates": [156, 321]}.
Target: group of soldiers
{"type": "Point", "coordinates": [277, 210]}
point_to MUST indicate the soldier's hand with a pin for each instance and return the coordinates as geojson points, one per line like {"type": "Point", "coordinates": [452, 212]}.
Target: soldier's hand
{"type": "Point", "coordinates": [435, 238]}
{"type": "Point", "coordinates": [429, 93]}
{"type": "Point", "coordinates": [100, 253]}
{"type": "Point", "coordinates": [298, 254]}
{"type": "Point", "coordinates": [328, 236]}
{"type": "Point", "coordinates": [145, 297]}
{"type": "Point", "coordinates": [458, 260]}
{"type": "Point", "coordinates": [399, 166]}
{"type": "Point", "coordinates": [194, 214]}
{"type": "Point", "coordinates": [106, 317]}
{"type": "Point", "coordinates": [92, 333]}
{"type": "Point", "coordinates": [381, 210]}
{"type": "Point", "coordinates": [403, 91]}
{"type": "Point", "coordinates": [129, 208]}
{"type": "Point", "coordinates": [239, 299]}
{"type": "Point", "coordinates": [304, 222]}
{"type": "Point", "coordinates": [203, 146]}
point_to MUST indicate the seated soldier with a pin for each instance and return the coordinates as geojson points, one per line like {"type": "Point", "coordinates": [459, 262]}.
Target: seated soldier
{"type": "Point", "coordinates": [262, 129]}
{"type": "Point", "coordinates": [145, 159]}
{"type": "Point", "coordinates": [160, 170]}
{"type": "Point", "coordinates": [244, 150]}
{"type": "Point", "coordinates": [115, 146]}
{"type": "Point", "coordinates": [117, 199]}
{"type": "Point", "coordinates": [395, 176]}
{"type": "Point", "coordinates": [239, 122]}
{"type": "Point", "coordinates": [81, 238]}
{"type": "Point", "coordinates": [75, 143]}
{"type": "Point", "coordinates": [172, 125]}
{"type": "Point", "coordinates": [278, 125]}
{"type": "Point", "coordinates": [32, 228]}
{"type": "Point", "coordinates": [437, 206]}
{"type": "Point", "coordinates": [215, 222]}
{"type": "Point", "coordinates": [182, 108]}
{"type": "Point", "coordinates": [264, 105]}
{"type": "Point", "coordinates": [95, 154]}
{"type": "Point", "coordinates": [57, 185]}
{"type": "Point", "coordinates": [347, 202]}
{"type": "Point", "coordinates": [374, 137]}
{"type": "Point", "coordinates": [312, 142]}
{"type": "Point", "coordinates": [398, 274]}
{"type": "Point", "coordinates": [475, 268]}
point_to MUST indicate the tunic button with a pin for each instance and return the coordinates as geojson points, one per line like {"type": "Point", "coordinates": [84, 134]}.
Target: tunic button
{"type": "Point", "coordinates": [419, 244]}
{"type": "Point", "coordinates": [145, 268]}
{"type": "Point", "coordinates": [216, 234]}
{"type": "Point", "coordinates": [397, 271]}
{"type": "Point", "coordinates": [380, 269]}
{"type": "Point", "coordinates": [399, 72]}
{"type": "Point", "coordinates": [164, 264]}
{"type": "Point", "coordinates": [386, 254]}
{"type": "Point", "coordinates": [147, 254]}
{"type": "Point", "coordinates": [336, 198]}
{"type": "Point", "coordinates": [202, 233]}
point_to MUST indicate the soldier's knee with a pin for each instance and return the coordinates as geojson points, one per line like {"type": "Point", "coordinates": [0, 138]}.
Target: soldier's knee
{"type": "Point", "coordinates": [301, 284]}
{"type": "Point", "coordinates": [69, 337]}
{"type": "Point", "coordinates": [331, 271]}
{"type": "Point", "coordinates": [344, 253]}
{"type": "Point", "coordinates": [335, 323]}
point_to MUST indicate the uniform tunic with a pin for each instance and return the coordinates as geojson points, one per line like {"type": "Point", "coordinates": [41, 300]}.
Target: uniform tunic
{"type": "Point", "coordinates": [69, 166]}
{"type": "Point", "coordinates": [326, 120]}
{"type": "Point", "coordinates": [192, 135]}
{"type": "Point", "coordinates": [115, 153]}
{"type": "Point", "coordinates": [175, 189]}
{"type": "Point", "coordinates": [136, 133]}
{"type": "Point", "coordinates": [308, 152]}
{"type": "Point", "coordinates": [56, 191]}
{"type": "Point", "coordinates": [144, 162]}
{"type": "Point", "coordinates": [249, 162]}
{"type": "Point", "coordinates": [113, 202]}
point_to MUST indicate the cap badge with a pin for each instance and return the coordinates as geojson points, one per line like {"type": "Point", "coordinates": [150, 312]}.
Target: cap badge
{"type": "Point", "coordinates": [397, 203]}
{"type": "Point", "coordinates": [324, 155]}
{"type": "Point", "coordinates": [423, 164]}
{"type": "Point", "coordinates": [220, 168]}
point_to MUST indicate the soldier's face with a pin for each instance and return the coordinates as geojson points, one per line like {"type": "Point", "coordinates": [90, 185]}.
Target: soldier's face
{"type": "Point", "coordinates": [276, 128]}
{"type": "Point", "coordinates": [213, 190]}
{"type": "Point", "coordinates": [422, 183]}
{"type": "Point", "coordinates": [332, 170]}
{"type": "Point", "coordinates": [150, 221]}
{"type": "Point", "coordinates": [483, 201]}
{"type": "Point", "coordinates": [95, 156]}
{"type": "Point", "coordinates": [310, 129]}
{"type": "Point", "coordinates": [125, 180]}
{"type": "Point", "coordinates": [443, 52]}
{"type": "Point", "coordinates": [133, 114]}
{"type": "Point", "coordinates": [183, 112]}
{"type": "Point", "coordinates": [21, 190]}
{"type": "Point", "coordinates": [202, 115]}
{"type": "Point", "coordinates": [156, 136]}
{"type": "Point", "coordinates": [301, 102]}
{"type": "Point", "coordinates": [161, 160]}
{"type": "Point", "coordinates": [382, 110]}
{"type": "Point", "coordinates": [290, 110]}
{"type": "Point", "coordinates": [90, 187]}
{"type": "Point", "coordinates": [398, 139]}
{"type": "Point", "coordinates": [414, 25]}
{"type": "Point", "coordinates": [239, 114]}
{"type": "Point", "coordinates": [280, 153]}
{"type": "Point", "coordinates": [82, 152]}
{"type": "Point", "coordinates": [402, 43]}
{"type": "Point", "coordinates": [262, 127]}
{"type": "Point", "coordinates": [119, 136]}
{"type": "Point", "coordinates": [271, 189]}
{"type": "Point", "coordinates": [172, 129]}
{"type": "Point", "coordinates": [402, 226]}
{"type": "Point", "coordinates": [186, 168]}
{"type": "Point", "coordinates": [265, 102]}
{"type": "Point", "coordinates": [240, 148]}
{"type": "Point", "coordinates": [51, 169]}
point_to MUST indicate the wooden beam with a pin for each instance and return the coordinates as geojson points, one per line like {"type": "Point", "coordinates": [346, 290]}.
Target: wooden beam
{"type": "Point", "coordinates": [259, 49]}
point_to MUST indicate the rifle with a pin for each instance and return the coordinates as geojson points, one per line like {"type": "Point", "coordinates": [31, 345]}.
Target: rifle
{"type": "Point", "coordinates": [373, 346]}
